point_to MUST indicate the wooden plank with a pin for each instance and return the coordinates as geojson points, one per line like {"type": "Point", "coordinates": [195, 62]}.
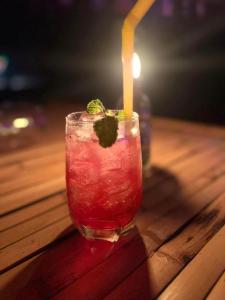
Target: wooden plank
{"type": "Point", "coordinates": [16, 233]}
{"type": "Point", "coordinates": [171, 257]}
{"type": "Point", "coordinates": [218, 291]}
{"type": "Point", "coordinates": [109, 272]}
{"type": "Point", "coordinates": [66, 262]}
{"type": "Point", "coordinates": [157, 173]}
{"type": "Point", "coordinates": [136, 286]}
{"type": "Point", "coordinates": [21, 198]}
{"type": "Point", "coordinates": [186, 179]}
{"type": "Point", "coordinates": [29, 212]}
{"type": "Point", "coordinates": [185, 208]}
{"type": "Point", "coordinates": [164, 198]}
{"type": "Point", "coordinates": [31, 244]}
{"type": "Point", "coordinates": [13, 281]}
{"type": "Point", "coordinates": [186, 127]}
{"type": "Point", "coordinates": [11, 171]}
{"type": "Point", "coordinates": [211, 155]}
{"type": "Point", "coordinates": [167, 156]}
{"type": "Point", "coordinates": [164, 143]}
{"type": "Point", "coordinates": [199, 276]}
{"type": "Point", "coordinates": [31, 238]}
{"type": "Point", "coordinates": [201, 229]}
{"type": "Point", "coordinates": [23, 181]}
{"type": "Point", "coordinates": [169, 142]}
{"type": "Point", "coordinates": [36, 151]}
{"type": "Point", "coordinates": [89, 291]}
{"type": "Point", "coordinates": [192, 167]}
{"type": "Point", "coordinates": [87, 288]}
{"type": "Point", "coordinates": [5, 198]}
{"type": "Point", "coordinates": [174, 255]}
{"type": "Point", "coordinates": [170, 148]}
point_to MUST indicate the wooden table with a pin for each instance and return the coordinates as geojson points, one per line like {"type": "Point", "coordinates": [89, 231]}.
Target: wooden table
{"type": "Point", "coordinates": [177, 250]}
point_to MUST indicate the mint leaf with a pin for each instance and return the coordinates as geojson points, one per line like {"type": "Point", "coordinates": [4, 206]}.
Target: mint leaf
{"type": "Point", "coordinates": [121, 115]}
{"type": "Point", "coordinates": [95, 107]}
{"type": "Point", "coordinates": [106, 131]}
{"type": "Point", "coordinates": [109, 112]}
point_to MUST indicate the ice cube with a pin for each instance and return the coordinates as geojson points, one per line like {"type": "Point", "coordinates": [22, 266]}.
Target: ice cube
{"type": "Point", "coordinates": [114, 182]}
{"type": "Point", "coordinates": [84, 173]}
{"type": "Point", "coordinates": [111, 162]}
{"type": "Point", "coordinates": [82, 152]}
{"type": "Point", "coordinates": [86, 196]}
{"type": "Point", "coordinates": [85, 129]}
{"type": "Point", "coordinates": [120, 200]}
{"type": "Point", "coordinates": [86, 117]}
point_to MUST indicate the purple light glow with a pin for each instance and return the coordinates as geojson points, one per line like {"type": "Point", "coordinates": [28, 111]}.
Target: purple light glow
{"type": "Point", "coordinates": [200, 8]}
{"type": "Point", "coordinates": [98, 4]}
{"type": "Point", "coordinates": [66, 2]}
{"type": "Point", "coordinates": [167, 8]}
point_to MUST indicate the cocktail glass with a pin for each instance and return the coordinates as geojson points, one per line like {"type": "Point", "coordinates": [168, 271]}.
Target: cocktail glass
{"type": "Point", "coordinates": [104, 185]}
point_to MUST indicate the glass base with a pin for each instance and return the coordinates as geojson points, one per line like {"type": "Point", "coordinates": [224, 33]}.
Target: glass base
{"type": "Point", "coordinates": [111, 235]}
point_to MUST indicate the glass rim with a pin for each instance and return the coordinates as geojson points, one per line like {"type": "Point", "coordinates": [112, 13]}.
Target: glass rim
{"type": "Point", "coordinates": [70, 118]}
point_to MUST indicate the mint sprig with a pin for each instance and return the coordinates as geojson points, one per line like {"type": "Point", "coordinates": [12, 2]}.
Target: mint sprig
{"type": "Point", "coordinates": [121, 115]}
{"type": "Point", "coordinates": [95, 107]}
{"type": "Point", "coordinates": [105, 128]}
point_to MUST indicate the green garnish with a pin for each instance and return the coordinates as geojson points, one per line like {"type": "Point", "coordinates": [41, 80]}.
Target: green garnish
{"type": "Point", "coordinates": [121, 115]}
{"type": "Point", "coordinates": [110, 112]}
{"type": "Point", "coordinates": [106, 130]}
{"type": "Point", "coordinates": [95, 107]}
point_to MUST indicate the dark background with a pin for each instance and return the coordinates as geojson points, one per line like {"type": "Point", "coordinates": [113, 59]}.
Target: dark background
{"type": "Point", "coordinates": [69, 51]}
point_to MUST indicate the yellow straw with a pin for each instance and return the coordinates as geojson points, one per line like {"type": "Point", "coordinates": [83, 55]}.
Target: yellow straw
{"type": "Point", "coordinates": [130, 23]}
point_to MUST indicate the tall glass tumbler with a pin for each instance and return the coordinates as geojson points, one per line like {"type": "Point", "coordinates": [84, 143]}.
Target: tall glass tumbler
{"type": "Point", "coordinates": [104, 185]}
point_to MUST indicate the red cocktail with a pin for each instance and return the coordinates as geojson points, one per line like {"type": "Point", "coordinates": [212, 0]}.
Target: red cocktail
{"type": "Point", "coordinates": [104, 185]}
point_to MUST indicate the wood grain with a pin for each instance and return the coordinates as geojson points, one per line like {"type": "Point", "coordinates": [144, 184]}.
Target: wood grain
{"type": "Point", "coordinates": [27, 213]}
{"type": "Point", "coordinates": [31, 153]}
{"type": "Point", "coordinates": [22, 198]}
{"type": "Point", "coordinates": [218, 290]}
{"type": "Point", "coordinates": [110, 272]}
{"type": "Point", "coordinates": [31, 244]}
{"type": "Point", "coordinates": [16, 233]}
{"type": "Point", "coordinates": [180, 225]}
{"type": "Point", "coordinates": [185, 127]}
{"type": "Point", "coordinates": [13, 281]}
{"type": "Point", "coordinates": [26, 180]}
{"type": "Point", "coordinates": [172, 256]}
{"type": "Point", "coordinates": [198, 277]}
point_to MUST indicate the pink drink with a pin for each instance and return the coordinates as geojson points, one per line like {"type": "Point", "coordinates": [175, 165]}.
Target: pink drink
{"type": "Point", "coordinates": [104, 185]}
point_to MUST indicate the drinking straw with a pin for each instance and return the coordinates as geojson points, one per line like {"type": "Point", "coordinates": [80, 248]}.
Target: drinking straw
{"type": "Point", "coordinates": [128, 30]}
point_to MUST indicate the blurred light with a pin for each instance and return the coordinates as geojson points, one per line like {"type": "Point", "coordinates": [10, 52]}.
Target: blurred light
{"type": "Point", "coordinates": [98, 4]}
{"type": "Point", "coordinates": [19, 82]}
{"type": "Point", "coordinates": [3, 83]}
{"type": "Point", "coordinates": [5, 130]}
{"type": "Point", "coordinates": [66, 2]}
{"type": "Point", "coordinates": [200, 8]}
{"type": "Point", "coordinates": [4, 62]}
{"type": "Point", "coordinates": [122, 7]}
{"type": "Point", "coordinates": [136, 65]}
{"type": "Point", "coordinates": [134, 130]}
{"type": "Point", "coordinates": [167, 8]}
{"type": "Point", "coordinates": [186, 7]}
{"type": "Point", "coordinates": [21, 123]}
